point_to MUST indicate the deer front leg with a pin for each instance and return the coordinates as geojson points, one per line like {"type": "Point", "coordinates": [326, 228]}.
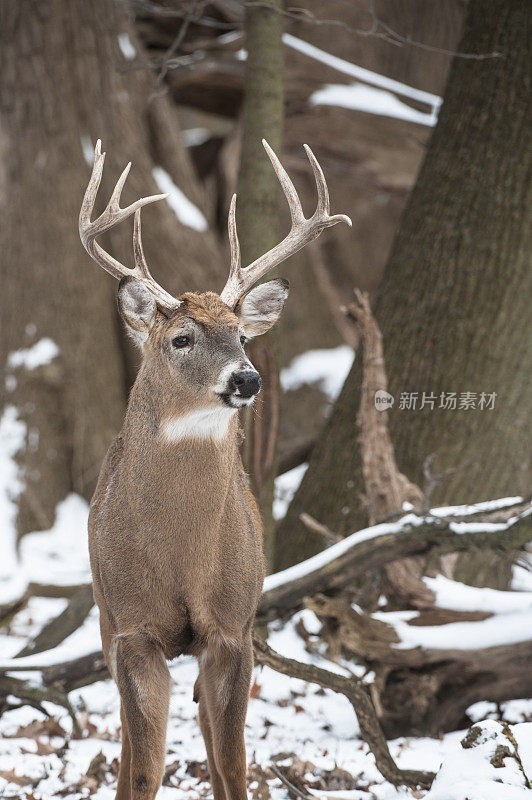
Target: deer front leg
{"type": "Point", "coordinates": [144, 685]}
{"type": "Point", "coordinates": [225, 678]}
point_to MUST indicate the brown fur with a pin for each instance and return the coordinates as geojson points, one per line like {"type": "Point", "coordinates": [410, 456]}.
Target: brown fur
{"type": "Point", "coordinates": [176, 553]}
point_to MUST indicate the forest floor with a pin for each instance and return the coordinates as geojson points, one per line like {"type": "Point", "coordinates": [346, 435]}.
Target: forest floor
{"type": "Point", "coordinates": [309, 733]}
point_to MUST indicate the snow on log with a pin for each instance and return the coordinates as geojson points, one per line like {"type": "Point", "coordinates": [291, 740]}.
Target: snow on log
{"type": "Point", "coordinates": [373, 547]}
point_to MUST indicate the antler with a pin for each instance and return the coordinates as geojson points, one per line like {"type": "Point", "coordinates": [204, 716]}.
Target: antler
{"type": "Point", "coordinates": [302, 232]}
{"type": "Point", "coordinates": [113, 215]}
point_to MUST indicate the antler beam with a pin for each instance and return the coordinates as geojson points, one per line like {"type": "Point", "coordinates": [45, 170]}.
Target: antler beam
{"type": "Point", "coordinates": [112, 216]}
{"type": "Point", "coordinates": [302, 232]}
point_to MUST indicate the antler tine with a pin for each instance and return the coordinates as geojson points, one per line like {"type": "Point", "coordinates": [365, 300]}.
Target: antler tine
{"type": "Point", "coordinates": [294, 203]}
{"type": "Point", "coordinates": [233, 237]}
{"type": "Point", "coordinates": [93, 185]}
{"type": "Point", "coordinates": [111, 216]}
{"type": "Point", "coordinates": [324, 205]}
{"type": "Point", "coordinates": [114, 202]}
{"type": "Point", "coordinates": [302, 232]}
{"type": "Point", "coordinates": [138, 251]}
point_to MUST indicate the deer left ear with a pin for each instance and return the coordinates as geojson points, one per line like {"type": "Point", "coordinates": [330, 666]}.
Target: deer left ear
{"type": "Point", "coordinates": [137, 308]}
{"type": "Point", "coordinates": [260, 308]}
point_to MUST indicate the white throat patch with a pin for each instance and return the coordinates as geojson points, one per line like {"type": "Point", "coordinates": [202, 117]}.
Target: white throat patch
{"type": "Point", "coordinates": [203, 423]}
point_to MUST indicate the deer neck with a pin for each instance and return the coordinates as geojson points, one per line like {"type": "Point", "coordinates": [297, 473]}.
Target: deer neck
{"type": "Point", "coordinates": [167, 423]}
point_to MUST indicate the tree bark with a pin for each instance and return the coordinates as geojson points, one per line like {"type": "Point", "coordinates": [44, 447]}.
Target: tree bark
{"type": "Point", "coordinates": [65, 82]}
{"type": "Point", "coordinates": [257, 217]}
{"type": "Point", "coordinates": [453, 304]}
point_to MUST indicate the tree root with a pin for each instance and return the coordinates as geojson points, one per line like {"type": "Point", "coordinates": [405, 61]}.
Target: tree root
{"type": "Point", "coordinates": [358, 696]}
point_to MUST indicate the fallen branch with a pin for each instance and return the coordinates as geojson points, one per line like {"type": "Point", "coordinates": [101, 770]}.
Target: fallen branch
{"type": "Point", "coordinates": [370, 549]}
{"type": "Point", "coordinates": [293, 791]}
{"type": "Point", "coordinates": [428, 671]}
{"type": "Point", "coordinates": [63, 625]}
{"type": "Point", "coordinates": [35, 694]}
{"type": "Point", "coordinates": [358, 696]}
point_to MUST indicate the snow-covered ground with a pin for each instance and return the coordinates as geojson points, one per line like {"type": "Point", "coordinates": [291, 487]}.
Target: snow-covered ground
{"type": "Point", "coordinates": [289, 723]}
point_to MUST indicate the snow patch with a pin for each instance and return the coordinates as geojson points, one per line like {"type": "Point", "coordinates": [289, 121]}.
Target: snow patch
{"type": "Point", "coordinates": [360, 97]}
{"type": "Point", "coordinates": [361, 74]}
{"type": "Point", "coordinates": [87, 148]}
{"type": "Point", "coordinates": [478, 769]}
{"type": "Point", "coordinates": [327, 367]}
{"type": "Point", "coordinates": [461, 597]}
{"type": "Point", "coordinates": [476, 508]}
{"type": "Point", "coordinates": [42, 352]}
{"type": "Point", "coordinates": [285, 487]}
{"type": "Point", "coordinates": [186, 212]}
{"type": "Point", "coordinates": [193, 137]}
{"type": "Point", "coordinates": [60, 555]}
{"type": "Point", "coordinates": [500, 629]}
{"type": "Point", "coordinates": [13, 581]}
{"type": "Point", "coordinates": [126, 46]}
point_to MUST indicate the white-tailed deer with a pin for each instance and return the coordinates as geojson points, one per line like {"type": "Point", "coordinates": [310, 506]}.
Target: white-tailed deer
{"type": "Point", "coordinates": [175, 535]}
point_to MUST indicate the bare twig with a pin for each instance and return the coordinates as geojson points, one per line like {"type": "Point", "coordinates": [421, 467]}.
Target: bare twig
{"type": "Point", "coordinates": [293, 791]}
{"type": "Point", "coordinates": [387, 34]}
{"type": "Point", "coordinates": [318, 527]}
{"type": "Point", "coordinates": [197, 11]}
{"type": "Point", "coordinates": [377, 29]}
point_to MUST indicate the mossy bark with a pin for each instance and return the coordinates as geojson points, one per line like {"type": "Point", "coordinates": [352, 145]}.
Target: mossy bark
{"type": "Point", "coordinates": [257, 218]}
{"type": "Point", "coordinates": [454, 303]}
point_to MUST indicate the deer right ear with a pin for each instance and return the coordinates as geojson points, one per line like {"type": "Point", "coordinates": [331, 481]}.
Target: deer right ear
{"type": "Point", "coordinates": [137, 308]}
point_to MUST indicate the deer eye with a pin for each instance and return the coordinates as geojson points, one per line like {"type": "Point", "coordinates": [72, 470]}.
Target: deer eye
{"type": "Point", "coordinates": [243, 340]}
{"type": "Point", "coordinates": [181, 341]}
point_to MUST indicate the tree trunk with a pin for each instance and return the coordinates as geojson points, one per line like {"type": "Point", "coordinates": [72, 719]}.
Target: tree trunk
{"type": "Point", "coordinates": [65, 82]}
{"type": "Point", "coordinates": [257, 217]}
{"type": "Point", "coordinates": [453, 304]}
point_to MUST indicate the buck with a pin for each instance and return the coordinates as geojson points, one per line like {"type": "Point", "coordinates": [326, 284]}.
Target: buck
{"type": "Point", "coordinates": [175, 536]}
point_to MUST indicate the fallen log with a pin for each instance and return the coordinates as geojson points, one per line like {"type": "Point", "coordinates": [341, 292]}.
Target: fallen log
{"type": "Point", "coordinates": [369, 549]}
{"type": "Point", "coordinates": [431, 666]}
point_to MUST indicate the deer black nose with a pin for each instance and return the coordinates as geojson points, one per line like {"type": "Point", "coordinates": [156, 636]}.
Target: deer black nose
{"type": "Point", "coordinates": [247, 382]}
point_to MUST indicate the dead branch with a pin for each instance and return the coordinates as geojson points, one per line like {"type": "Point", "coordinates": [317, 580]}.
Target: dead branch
{"type": "Point", "coordinates": [426, 690]}
{"type": "Point", "coordinates": [387, 489]}
{"type": "Point", "coordinates": [359, 698]}
{"type": "Point", "coordinates": [76, 673]}
{"type": "Point", "coordinates": [63, 625]}
{"type": "Point", "coordinates": [35, 694]}
{"type": "Point", "coordinates": [372, 549]}
{"type": "Point", "coordinates": [318, 527]}
{"type": "Point", "coordinates": [293, 791]}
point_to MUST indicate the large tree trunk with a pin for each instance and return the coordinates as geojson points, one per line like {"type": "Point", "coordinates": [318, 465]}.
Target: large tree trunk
{"type": "Point", "coordinates": [453, 304]}
{"type": "Point", "coordinates": [257, 217]}
{"type": "Point", "coordinates": [65, 82]}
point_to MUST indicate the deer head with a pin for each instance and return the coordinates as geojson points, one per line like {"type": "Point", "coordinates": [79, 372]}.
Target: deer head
{"type": "Point", "coordinates": [197, 340]}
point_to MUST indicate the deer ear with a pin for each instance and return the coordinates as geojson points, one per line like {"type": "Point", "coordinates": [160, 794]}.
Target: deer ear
{"type": "Point", "coordinates": [137, 308]}
{"type": "Point", "coordinates": [260, 308]}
